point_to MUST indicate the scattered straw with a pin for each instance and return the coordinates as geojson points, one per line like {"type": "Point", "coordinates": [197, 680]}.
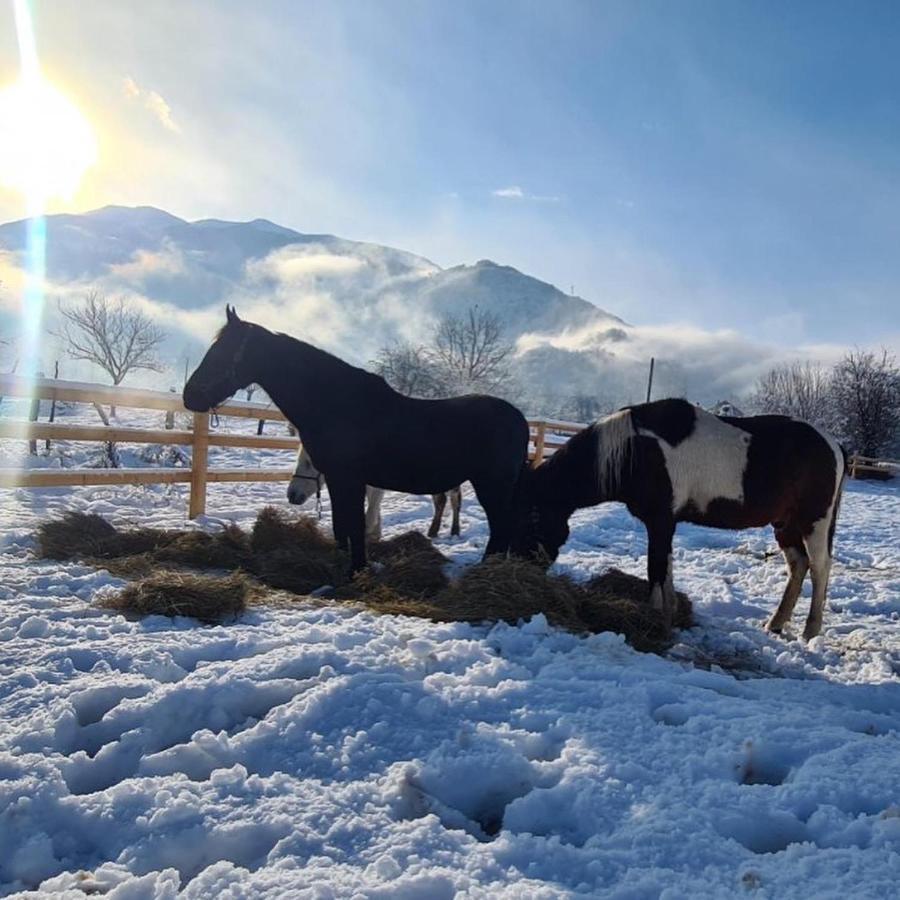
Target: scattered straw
{"type": "Point", "coordinates": [207, 598]}
{"type": "Point", "coordinates": [407, 578]}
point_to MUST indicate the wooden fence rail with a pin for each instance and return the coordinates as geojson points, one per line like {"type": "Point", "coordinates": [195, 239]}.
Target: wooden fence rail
{"type": "Point", "coordinates": [546, 437]}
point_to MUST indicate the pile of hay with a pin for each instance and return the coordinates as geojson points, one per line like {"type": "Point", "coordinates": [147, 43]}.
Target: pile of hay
{"type": "Point", "coordinates": [408, 565]}
{"type": "Point", "coordinates": [204, 597]}
{"type": "Point", "coordinates": [616, 601]}
{"type": "Point", "coordinates": [509, 590]}
{"type": "Point", "coordinates": [406, 576]}
{"type": "Point", "coordinates": [92, 539]}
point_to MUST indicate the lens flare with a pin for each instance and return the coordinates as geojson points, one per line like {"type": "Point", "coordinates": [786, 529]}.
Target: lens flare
{"type": "Point", "coordinates": [46, 145]}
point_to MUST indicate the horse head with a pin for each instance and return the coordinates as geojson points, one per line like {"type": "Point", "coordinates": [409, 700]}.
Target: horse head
{"type": "Point", "coordinates": [306, 481]}
{"type": "Point", "coordinates": [541, 526]}
{"type": "Point", "coordinates": [224, 369]}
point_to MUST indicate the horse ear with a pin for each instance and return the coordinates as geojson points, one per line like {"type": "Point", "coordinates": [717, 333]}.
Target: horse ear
{"type": "Point", "coordinates": [231, 314]}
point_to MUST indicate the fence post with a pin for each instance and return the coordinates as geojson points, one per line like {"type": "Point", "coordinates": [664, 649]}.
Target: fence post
{"type": "Point", "coordinates": [539, 433]}
{"type": "Point", "coordinates": [33, 414]}
{"type": "Point", "coordinates": [199, 458]}
{"type": "Point", "coordinates": [52, 405]}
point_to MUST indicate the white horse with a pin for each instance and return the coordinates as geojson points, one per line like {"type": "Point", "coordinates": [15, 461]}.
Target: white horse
{"type": "Point", "coordinates": [307, 480]}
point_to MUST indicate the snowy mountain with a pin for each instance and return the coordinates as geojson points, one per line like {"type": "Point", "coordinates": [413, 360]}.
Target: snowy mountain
{"type": "Point", "coordinates": [347, 296]}
{"type": "Point", "coordinates": [196, 264]}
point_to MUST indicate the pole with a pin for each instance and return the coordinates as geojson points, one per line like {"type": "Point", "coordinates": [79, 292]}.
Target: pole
{"type": "Point", "coordinates": [650, 380]}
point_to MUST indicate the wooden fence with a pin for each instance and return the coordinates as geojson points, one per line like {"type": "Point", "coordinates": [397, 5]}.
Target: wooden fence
{"type": "Point", "coordinates": [546, 438]}
{"type": "Point", "coordinates": [871, 467]}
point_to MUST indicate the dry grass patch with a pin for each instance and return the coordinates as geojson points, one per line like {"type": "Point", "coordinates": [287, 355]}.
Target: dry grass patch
{"type": "Point", "coordinates": [208, 598]}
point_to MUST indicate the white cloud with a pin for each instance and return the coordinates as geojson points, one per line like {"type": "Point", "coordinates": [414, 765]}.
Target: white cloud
{"type": "Point", "coordinates": [152, 101]}
{"type": "Point", "coordinates": [514, 192]}
{"type": "Point", "coordinates": [168, 260]}
{"type": "Point", "coordinates": [703, 364]}
{"type": "Point", "coordinates": [289, 265]}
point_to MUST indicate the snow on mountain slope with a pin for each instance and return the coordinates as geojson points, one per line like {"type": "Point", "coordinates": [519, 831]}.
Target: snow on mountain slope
{"type": "Point", "coordinates": [350, 297]}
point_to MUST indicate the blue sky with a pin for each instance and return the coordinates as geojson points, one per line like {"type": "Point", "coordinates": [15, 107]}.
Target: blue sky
{"type": "Point", "coordinates": [730, 165]}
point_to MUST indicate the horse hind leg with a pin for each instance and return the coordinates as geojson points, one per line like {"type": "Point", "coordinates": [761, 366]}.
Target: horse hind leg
{"type": "Point", "coordinates": [791, 543]}
{"type": "Point", "coordinates": [456, 505]}
{"type": "Point", "coordinates": [819, 551]}
{"type": "Point", "coordinates": [374, 496]}
{"type": "Point", "coordinates": [440, 503]}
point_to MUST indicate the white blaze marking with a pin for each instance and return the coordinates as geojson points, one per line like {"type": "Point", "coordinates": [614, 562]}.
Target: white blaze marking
{"type": "Point", "coordinates": [708, 465]}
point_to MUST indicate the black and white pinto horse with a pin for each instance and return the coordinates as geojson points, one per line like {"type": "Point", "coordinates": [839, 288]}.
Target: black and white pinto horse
{"type": "Point", "coordinates": [670, 461]}
{"type": "Point", "coordinates": [307, 479]}
{"type": "Point", "coordinates": [359, 431]}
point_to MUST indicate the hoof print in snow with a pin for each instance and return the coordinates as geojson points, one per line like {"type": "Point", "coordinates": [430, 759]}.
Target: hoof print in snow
{"type": "Point", "coordinates": [474, 803]}
{"type": "Point", "coordinates": [672, 714]}
{"type": "Point", "coordinates": [762, 765]}
{"type": "Point", "coordinates": [767, 833]}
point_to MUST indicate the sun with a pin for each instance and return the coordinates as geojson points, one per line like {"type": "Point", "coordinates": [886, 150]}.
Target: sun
{"type": "Point", "coordinates": [46, 144]}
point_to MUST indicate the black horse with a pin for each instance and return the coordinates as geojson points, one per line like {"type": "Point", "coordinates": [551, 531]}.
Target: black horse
{"type": "Point", "coordinates": [359, 431]}
{"type": "Point", "coordinates": [671, 462]}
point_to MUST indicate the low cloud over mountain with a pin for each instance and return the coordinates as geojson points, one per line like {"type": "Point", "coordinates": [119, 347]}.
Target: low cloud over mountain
{"type": "Point", "coordinates": [353, 298]}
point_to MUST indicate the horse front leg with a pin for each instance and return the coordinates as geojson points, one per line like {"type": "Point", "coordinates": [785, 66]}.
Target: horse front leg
{"type": "Point", "coordinates": [349, 518]}
{"type": "Point", "coordinates": [440, 503]}
{"type": "Point", "coordinates": [791, 542]}
{"type": "Point", "coordinates": [659, 567]}
{"type": "Point", "coordinates": [497, 502]}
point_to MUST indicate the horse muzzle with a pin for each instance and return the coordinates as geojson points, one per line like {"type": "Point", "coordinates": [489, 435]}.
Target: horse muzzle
{"type": "Point", "coordinates": [195, 401]}
{"type": "Point", "coordinates": [296, 495]}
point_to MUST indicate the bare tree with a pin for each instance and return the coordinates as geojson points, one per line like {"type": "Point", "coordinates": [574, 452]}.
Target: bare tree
{"type": "Point", "coordinates": [409, 369]}
{"type": "Point", "coordinates": [586, 407]}
{"type": "Point", "coordinates": [866, 398]}
{"type": "Point", "coordinates": [800, 389]}
{"type": "Point", "coordinates": [111, 335]}
{"type": "Point", "coordinates": [471, 351]}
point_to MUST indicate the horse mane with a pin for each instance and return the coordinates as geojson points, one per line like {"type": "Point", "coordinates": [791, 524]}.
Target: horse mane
{"type": "Point", "coordinates": [613, 434]}
{"type": "Point", "coordinates": [370, 379]}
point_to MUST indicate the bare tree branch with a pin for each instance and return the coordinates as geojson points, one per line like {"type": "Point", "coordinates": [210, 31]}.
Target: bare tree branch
{"type": "Point", "coordinates": [111, 335]}
{"type": "Point", "coordinates": [866, 397]}
{"type": "Point", "coordinates": [799, 389]}
{"type": "Point", "coordinates": [408, 368]}
{"type": "Point", "coordinates": [471, 352]}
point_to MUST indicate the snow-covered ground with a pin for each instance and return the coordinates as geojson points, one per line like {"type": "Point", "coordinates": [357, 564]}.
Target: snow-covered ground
{"type": "Point", "coordinates": [319, 751]}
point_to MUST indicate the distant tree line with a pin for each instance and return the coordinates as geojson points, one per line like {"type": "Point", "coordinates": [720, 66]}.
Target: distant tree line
{"type": "Point", "coordinates": [857, 400]}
